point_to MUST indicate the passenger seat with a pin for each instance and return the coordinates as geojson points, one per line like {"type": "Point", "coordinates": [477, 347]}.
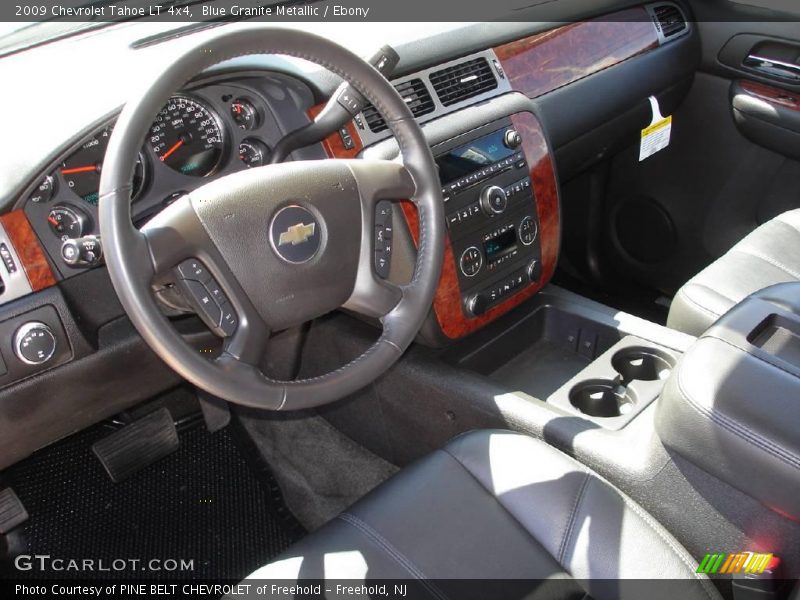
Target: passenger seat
{"type": "Point", "coordinates": [768, 255]}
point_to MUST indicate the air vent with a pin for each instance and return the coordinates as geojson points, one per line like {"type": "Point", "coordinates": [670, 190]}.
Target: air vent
{"type": "Point", "coordinates": [416, 96]}
{"type": "Point", "coordinates": [669, 19]}
{"type": "Point", "coordinates": [463, 81]}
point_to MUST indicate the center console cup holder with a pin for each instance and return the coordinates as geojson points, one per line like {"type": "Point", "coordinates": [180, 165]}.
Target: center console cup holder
{"type": "Point", "coordinates": [642, 363]}
{"type": "Point", "coordinates": [619, 384]}
{"type": "Point", "coordinates": [602, 398]}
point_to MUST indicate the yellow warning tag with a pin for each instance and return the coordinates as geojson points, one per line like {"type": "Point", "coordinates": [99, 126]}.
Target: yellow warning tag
{"type": "Point", "coordinates": [656, 136]}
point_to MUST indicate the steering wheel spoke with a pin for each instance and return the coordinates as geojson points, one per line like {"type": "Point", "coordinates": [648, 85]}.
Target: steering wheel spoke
{"type": "Point", "coordinates": [184, 257]}
{"type": "Point", "coordinates": [379, 183]}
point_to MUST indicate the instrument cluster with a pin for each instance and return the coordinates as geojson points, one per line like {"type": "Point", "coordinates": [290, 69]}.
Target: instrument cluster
{"type": "Point", "coordinates": [198, 135]}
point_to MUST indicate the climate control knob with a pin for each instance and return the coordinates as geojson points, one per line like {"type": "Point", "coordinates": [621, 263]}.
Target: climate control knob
{"type": "Point", "coordinates": [527, 231]}
{"type": "Point", "coordinates": [493, 200]}
{"type": "Point", "coordinates": [34, 343]}
{"type": "Point", "coordinates": [471, 261]}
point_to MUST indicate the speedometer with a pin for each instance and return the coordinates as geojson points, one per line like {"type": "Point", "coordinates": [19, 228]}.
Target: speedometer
{"type": "Point", "coordinates": [187, 136]}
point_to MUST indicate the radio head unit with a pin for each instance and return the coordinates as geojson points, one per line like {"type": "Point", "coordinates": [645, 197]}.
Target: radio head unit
{"type": "Point", "coordinates": [491, 214]}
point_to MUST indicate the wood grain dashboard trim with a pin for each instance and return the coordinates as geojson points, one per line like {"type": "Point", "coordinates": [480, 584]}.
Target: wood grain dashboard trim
{"type": "Point", "coordinates": [28, 249]}
{"type": "Point", "coordinates": [773, 95]}
{"type": "Point", "coordinates": [544, 62]}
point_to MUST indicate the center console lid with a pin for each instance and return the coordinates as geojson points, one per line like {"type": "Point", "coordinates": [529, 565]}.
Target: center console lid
{"type": "Point", "coordinates": [732, 405]}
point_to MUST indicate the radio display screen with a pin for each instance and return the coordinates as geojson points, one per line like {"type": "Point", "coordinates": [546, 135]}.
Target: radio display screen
{"type": "Point", "coordinates": [470, 157]}
{"type": "Point", "coordinates": [503, 244]}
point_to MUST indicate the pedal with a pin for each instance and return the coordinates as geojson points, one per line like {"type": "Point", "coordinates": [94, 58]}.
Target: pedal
{"type": "Point", "coordinates": [12, 511]}
{"type": "Point", "coordinates": [216, 412]}
{"type": "Point", "coordinates": [137, 445]}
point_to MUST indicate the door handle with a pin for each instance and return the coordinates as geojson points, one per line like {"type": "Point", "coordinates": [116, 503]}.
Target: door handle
{"type": "Point", "coordinates": [773, 67]}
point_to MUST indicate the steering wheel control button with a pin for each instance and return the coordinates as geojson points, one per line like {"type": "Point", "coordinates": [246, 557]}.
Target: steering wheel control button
{"type": "Point", "coordinates": [216, 292]}
{"type": "Point", "coordinates": [383, 238]}
{"type": "Point", "coordinates": [471, 261]}
{"type": "Point", "coordinates": [208, 298]}
{"type": "Point", "coordinates": [34, 343]}
{"type": "Point", "coordinates": [295, 234]}
{"type": "Point", "coordinates": [204, 301]}
{"type": "Point", "coordinates": [229, 321]}
{"type": "Point", "coordinates": [195, 270]}
{"type": "Point", "coordinates": [493, 200]}
{"type": "Point", "coordinates": [528, 229]}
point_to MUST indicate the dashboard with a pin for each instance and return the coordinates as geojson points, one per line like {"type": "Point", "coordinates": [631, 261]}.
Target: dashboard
{"type": "Point", "coordinates": [546, 98]}
{"type": "Point", "coordinates": [204, 132]}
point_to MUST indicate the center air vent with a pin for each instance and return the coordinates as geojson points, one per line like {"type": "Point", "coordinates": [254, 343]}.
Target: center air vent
{"type": "Point", "coordinates": [416, 96]}
{"type": "Point", "coordinates": [463, 81]}
{"type": "Point", "coordinates": [669, 19]}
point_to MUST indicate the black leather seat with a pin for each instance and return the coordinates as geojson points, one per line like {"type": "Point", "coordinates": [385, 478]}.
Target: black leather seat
{"type": "Point", "coordinates": [767, 256]}
{"type": "Point", "coordinates": [497, 505]}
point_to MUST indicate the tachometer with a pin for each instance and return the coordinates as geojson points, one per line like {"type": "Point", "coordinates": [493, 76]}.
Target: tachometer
{"type": "Point", "coordinates": [81, 170]}
{"type": "Point", "coordinates": [187, 136]}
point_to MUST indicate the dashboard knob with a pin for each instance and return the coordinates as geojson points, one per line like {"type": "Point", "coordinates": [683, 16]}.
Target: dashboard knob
{"type": "Point", "coordinates": [493, 200]}
{"type": "Point", "coordinates": [82, 252]}
{"type": "Point", "coordinates": [512, 139]}
{"type": "Point", "coordinates": [34, 343]}
{"type": "Point", "coordinates": [471, 261]}
{"type": "Point", "coordinates": [535, 271]}
{"type": "Point", "coordinates": [476, 304]}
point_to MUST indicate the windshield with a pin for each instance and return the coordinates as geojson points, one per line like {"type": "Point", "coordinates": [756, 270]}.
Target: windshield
{"type": "Point", "coordinates": [16, 36]}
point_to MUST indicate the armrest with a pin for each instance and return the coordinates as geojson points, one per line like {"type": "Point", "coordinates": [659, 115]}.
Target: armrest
{"type": "Point", "coordinates": [732, 405]}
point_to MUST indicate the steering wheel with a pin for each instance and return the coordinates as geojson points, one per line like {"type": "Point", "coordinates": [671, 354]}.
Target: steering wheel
{"type": "Point", "coordinates": [285, 243]}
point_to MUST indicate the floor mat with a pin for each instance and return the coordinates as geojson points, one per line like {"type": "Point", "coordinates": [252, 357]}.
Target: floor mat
{"type": "Point", "coordinates": [321, 471]}
{"type": "Point", "coordinates": [202, 503]}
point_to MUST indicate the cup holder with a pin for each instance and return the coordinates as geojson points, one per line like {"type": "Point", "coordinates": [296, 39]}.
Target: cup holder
{"type": "Point", "coordinates": [642, 363]}
{"type": "Point", "coordinates": [602, 398]}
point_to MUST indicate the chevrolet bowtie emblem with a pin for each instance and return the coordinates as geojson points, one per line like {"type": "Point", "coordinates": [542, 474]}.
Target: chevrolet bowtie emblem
{"type": "Point", "coordinates": [297, 234]}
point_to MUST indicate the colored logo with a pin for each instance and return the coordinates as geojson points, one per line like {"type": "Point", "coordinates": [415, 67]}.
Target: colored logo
{"type": "Point", "coordinates": [741, 562]}
{"type": "Point", "coordinates": [297, 234]}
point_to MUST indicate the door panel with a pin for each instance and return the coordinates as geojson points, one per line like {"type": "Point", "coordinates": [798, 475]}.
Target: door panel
{"type": "Point", "coordinates": [731, 165]}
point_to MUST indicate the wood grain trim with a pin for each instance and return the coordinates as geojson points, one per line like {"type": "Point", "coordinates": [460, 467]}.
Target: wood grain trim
{"type": "Point", "coordinates": [447, 304]}
{"type": "Point", "coordinates": [773, 95]}
{"type": "Point", "coordinates": [333, 143]}
{"type": "Point", "coordinates": [28, 249]}
{"type": "Point", "coordinates": [547, 61]}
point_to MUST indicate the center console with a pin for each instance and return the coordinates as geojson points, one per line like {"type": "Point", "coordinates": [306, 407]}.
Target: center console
{"type": "Point", "coordinates": [491, 215]}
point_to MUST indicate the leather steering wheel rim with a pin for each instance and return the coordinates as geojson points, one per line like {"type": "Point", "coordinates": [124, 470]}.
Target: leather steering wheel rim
{"type": "Point", "coordinates": [134, 258]}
